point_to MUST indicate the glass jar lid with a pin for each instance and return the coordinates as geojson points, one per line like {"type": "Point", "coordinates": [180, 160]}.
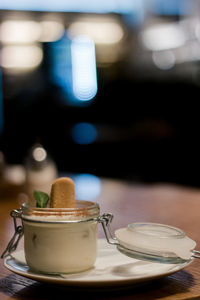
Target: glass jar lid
{"type": "Point", "coordinates": [155, 242]}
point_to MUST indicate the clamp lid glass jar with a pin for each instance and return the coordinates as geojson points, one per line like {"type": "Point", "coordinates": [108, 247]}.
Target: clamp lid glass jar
{"type": "Point", "coordinates": [60, 240]}
{"type": "Point", "coordinates": [65, 240]}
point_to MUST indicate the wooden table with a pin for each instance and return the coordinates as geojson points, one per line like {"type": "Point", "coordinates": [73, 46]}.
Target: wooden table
{"type": "Point", "coordinates": [129, 202]}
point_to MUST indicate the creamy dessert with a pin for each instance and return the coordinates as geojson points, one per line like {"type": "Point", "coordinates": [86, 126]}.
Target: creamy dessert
{"type": "Point", "coordinates": [62, 238]}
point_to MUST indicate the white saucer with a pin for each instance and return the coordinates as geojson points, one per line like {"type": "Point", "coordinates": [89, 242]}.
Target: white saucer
{"type": "Point", "coordinates": [112, 269]}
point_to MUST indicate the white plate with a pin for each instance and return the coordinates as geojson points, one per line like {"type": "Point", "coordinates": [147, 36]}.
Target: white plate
{"type": "Point", "coordinates": [112, 269]}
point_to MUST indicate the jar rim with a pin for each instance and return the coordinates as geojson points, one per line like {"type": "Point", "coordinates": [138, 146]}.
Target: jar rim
{"type": "Point", "coordinates": [83, 208]}
{"type": "Point", "coordinates": [156, 230]}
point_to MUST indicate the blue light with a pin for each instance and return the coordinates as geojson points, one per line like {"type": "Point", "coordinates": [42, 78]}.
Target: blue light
{"type": "Point", "coordinates": [60, 59]}
{"type": "Point", "coordinates": [94, 6]}
{"type": "Point", "coordinates": [84, 133]}
{"type": "Point", "coordinates": [87, 186]}
{"type": "Point", "coordinates": [171, 7]}
{"type": "Point", "coordinates": [84, 77]}
{"type": "Point", "coordinates": [73, 69]}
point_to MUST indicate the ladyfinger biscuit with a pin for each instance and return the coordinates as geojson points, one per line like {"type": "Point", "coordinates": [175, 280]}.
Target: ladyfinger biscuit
{"type": "Point", "coordinates": [63, 193]}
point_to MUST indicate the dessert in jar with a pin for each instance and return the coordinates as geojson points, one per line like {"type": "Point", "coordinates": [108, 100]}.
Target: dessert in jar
{"type": "Point", "coordinates": [63, 237]}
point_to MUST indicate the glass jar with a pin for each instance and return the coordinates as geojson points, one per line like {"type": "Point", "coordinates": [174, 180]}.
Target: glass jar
{"type": "Point", "coordinates": [65, 240]}
{"type": "Point", "coordinates": [60, 240]}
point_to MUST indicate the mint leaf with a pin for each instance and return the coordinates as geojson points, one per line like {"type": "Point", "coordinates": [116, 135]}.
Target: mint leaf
{"type": "Point", "coordinates": [41, 199]}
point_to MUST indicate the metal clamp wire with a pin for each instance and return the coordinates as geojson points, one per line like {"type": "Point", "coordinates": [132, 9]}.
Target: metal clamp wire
{"type": "Point", "coordinates": [196, 254]}
{"type": "Point", "coordinates": [105, 221]}
{"type": "Point", "coordinates": [19, 231]}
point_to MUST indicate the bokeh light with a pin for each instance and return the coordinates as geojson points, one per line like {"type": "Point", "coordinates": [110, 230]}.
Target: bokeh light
{"type": "Point", "coordinates": [88, 186]}
{"type": "Point", "coordinates": [84, 133]}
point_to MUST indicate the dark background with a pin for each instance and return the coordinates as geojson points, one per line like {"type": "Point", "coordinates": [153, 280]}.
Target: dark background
{"type": "Point", "coordinates": [147, 120]}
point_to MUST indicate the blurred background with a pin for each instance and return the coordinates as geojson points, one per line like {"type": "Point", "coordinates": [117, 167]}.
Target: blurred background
{"type": "Point", "coordinates": [108, 88]}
